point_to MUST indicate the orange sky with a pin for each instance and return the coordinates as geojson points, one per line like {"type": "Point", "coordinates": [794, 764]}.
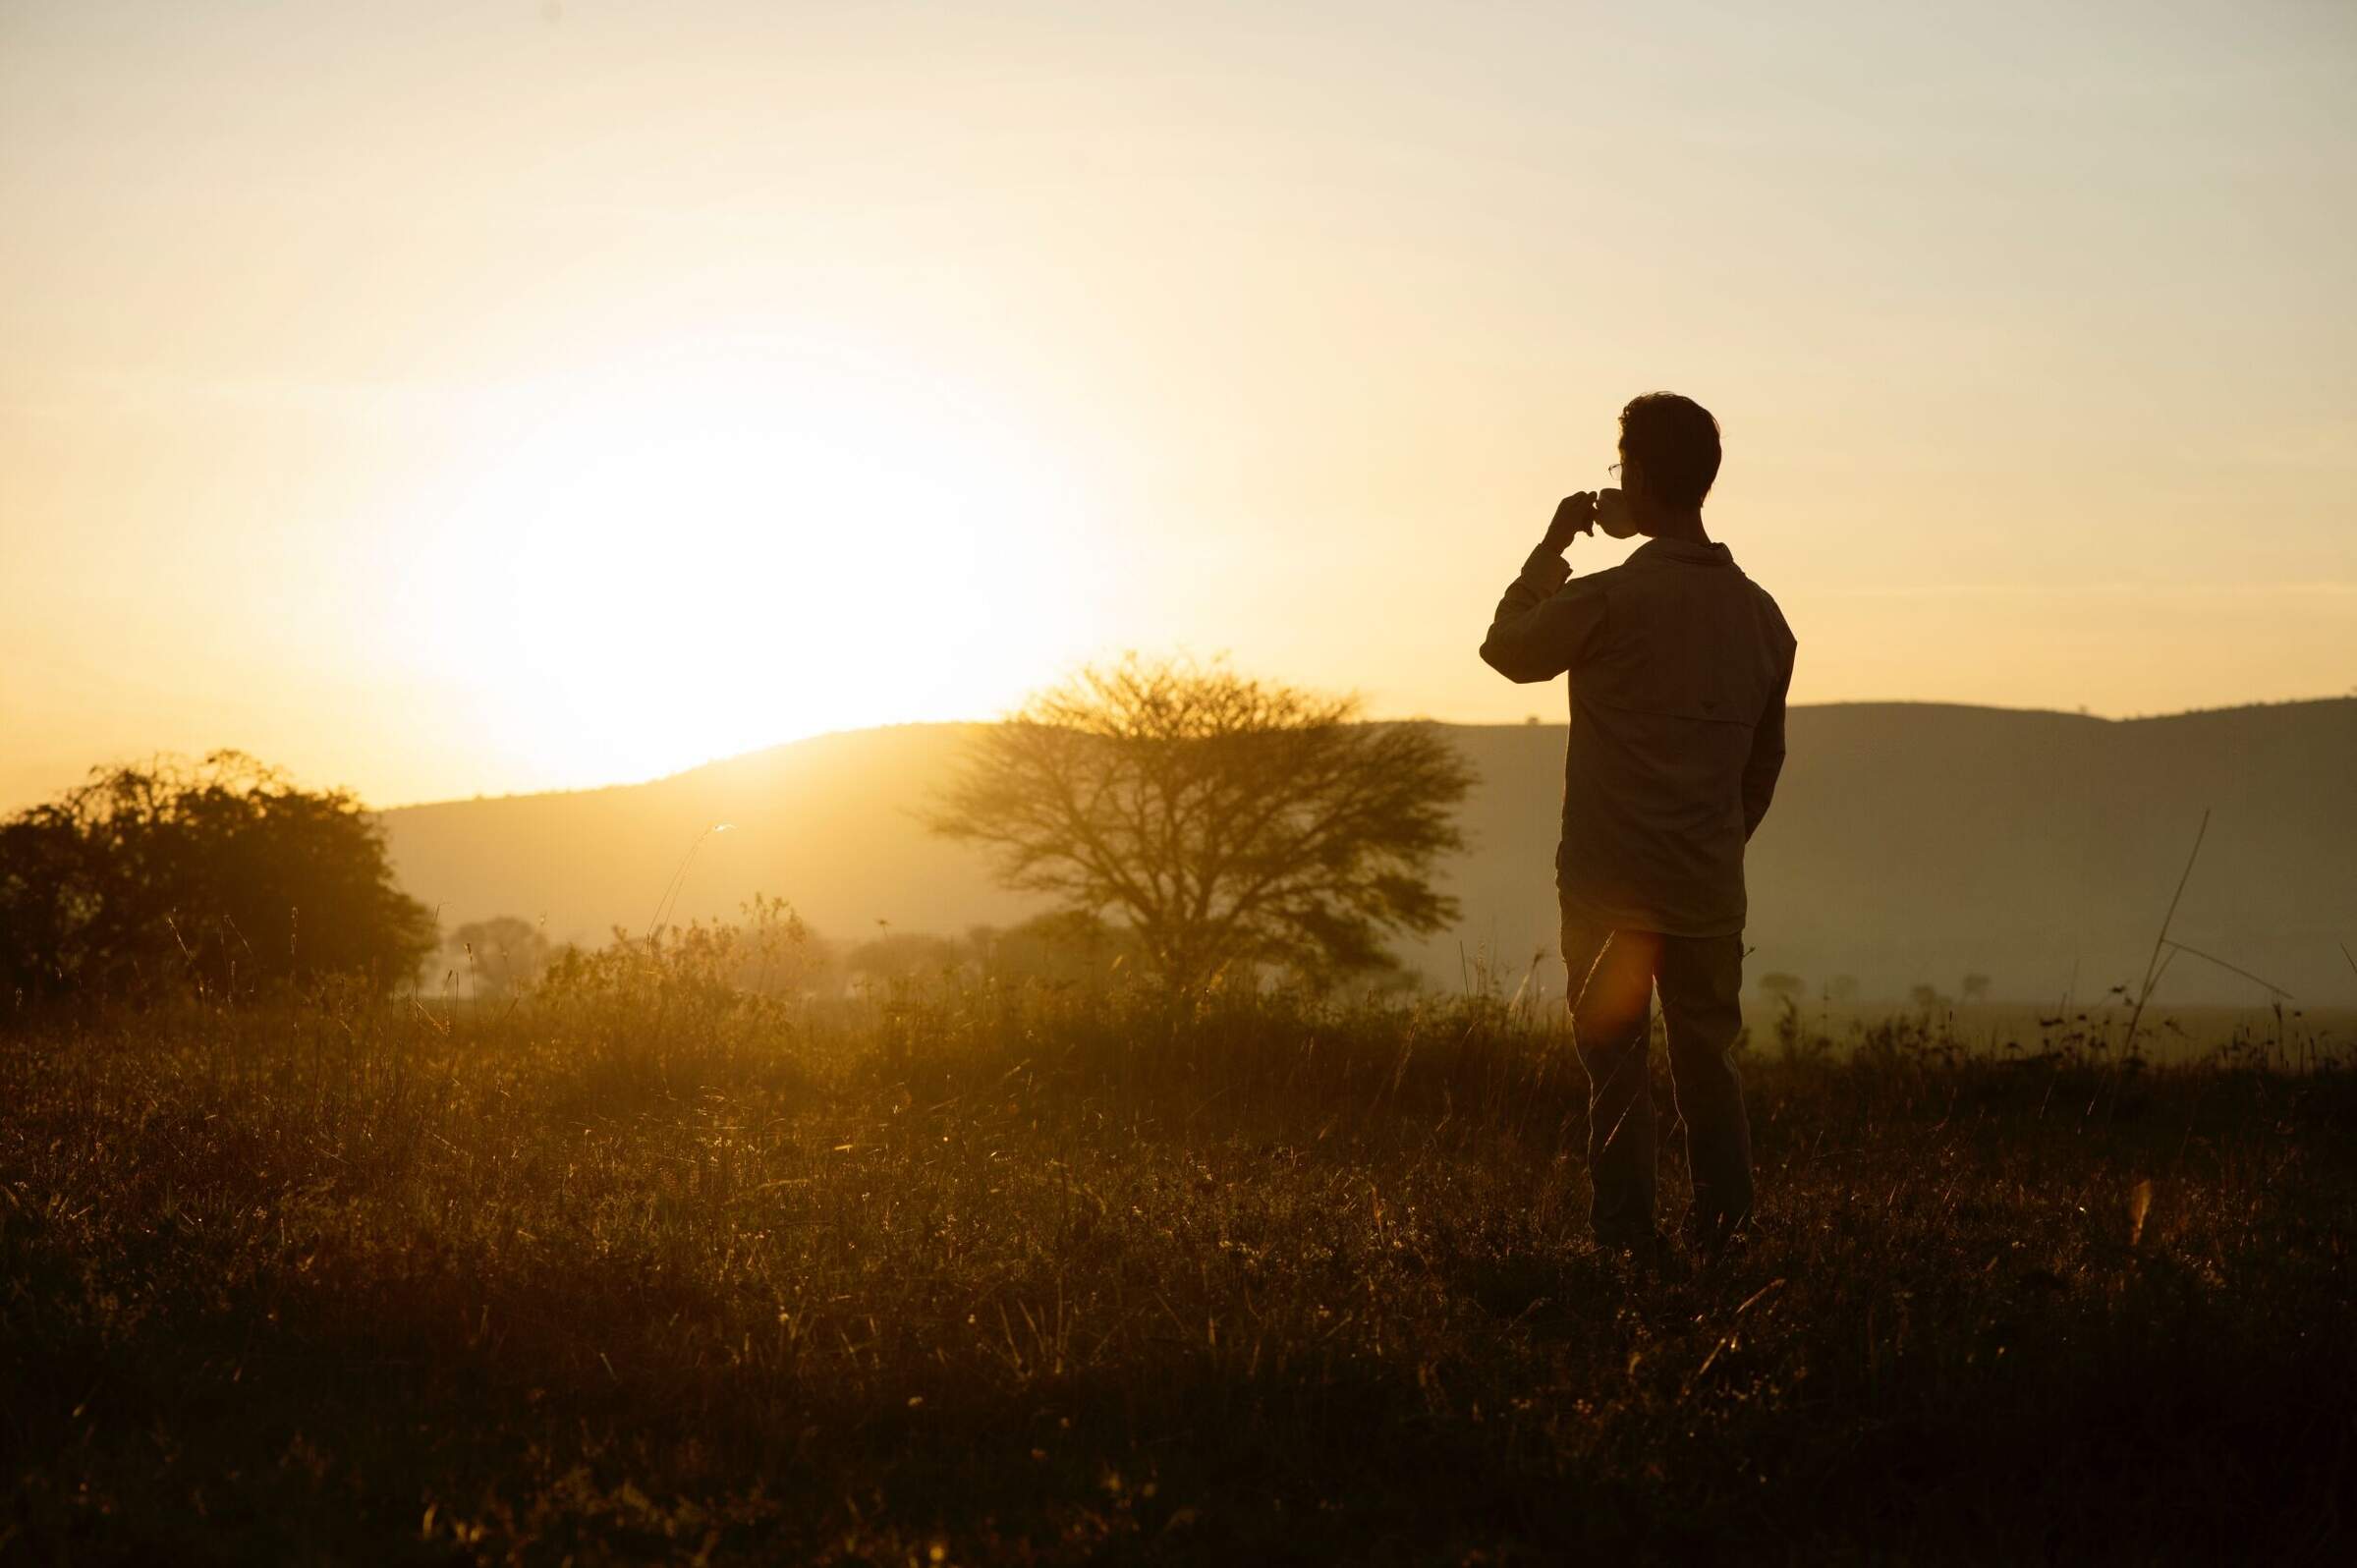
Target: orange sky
{"type": "Point", "coordinates": [478, 397]}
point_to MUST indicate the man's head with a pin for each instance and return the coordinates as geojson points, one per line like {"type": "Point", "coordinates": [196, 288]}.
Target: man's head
{"type": "Point", "coordinates": [1668, 458]}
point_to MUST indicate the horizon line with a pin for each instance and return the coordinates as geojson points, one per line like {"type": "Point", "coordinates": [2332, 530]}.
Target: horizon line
{"type": "Point", "coordinates": [1532, 722]}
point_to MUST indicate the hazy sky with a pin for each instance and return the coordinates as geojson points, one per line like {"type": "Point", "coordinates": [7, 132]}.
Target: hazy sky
{"type": "Point", "coordinates": [443, 398]}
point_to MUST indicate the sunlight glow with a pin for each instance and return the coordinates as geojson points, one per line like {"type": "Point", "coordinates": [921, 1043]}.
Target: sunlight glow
{"type": "Point", "coordinates": [693, 556]}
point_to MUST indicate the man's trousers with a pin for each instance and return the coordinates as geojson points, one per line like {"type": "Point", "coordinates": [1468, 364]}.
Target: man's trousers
{"type": "Point", "coordinates": [1613, 974]}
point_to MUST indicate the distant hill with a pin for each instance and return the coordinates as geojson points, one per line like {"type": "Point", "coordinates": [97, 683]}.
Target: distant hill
{"type": "Point", "coordinates": [1911, 843]}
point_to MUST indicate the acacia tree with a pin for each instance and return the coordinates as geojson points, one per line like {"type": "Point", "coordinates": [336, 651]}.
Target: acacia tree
{"type": "Point", "coordinates": [1223, 821]}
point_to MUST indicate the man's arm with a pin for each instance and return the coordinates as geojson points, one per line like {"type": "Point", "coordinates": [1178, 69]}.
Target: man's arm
{"type": "Point", "coordinates": [1541, 628]}
{"type": "Point", "coordinates": [1767, 759]}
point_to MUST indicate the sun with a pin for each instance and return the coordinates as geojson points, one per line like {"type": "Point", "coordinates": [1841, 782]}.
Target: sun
{"type": "Point", "coordinates": [681, 559]}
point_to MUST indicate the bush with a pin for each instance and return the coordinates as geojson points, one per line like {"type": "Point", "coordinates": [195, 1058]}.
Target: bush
{"type": "Point", "coordinates": [218, 874]}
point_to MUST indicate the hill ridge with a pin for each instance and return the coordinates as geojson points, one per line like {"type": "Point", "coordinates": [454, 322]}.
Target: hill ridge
{"type": "Point", "coordinates": [1911, 843]}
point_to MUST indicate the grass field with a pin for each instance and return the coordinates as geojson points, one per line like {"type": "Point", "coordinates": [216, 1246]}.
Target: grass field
{"type": "Point", "coordinates": [650, 1270]}
{"type": "Point", "coordinates": [2290, 1037]}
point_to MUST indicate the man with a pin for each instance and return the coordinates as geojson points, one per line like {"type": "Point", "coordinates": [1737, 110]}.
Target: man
{"type": "Point", "coordinates": [1679, 666]}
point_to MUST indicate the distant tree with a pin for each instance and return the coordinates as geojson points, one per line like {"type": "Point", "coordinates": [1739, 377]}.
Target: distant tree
{"type": "Point", "coordinates": [1925, 998]}
{"type": "Point", "coordinates": [1221, 820]}
{"type": "Point", "coordinates": [1065, 947]}
{"type": "Point", "coordinates": [502, 955]}
{"type": "Point", "coordinates": [1782, 985]}
{"type": "Point", "coordinates": [900, 955]}
{"type": "Point", "coordinates": [1975, 989]}
{"type": "Point", "coordinates": [219, 872]}
{"type": "Point", "coordinates": [1842, 989]}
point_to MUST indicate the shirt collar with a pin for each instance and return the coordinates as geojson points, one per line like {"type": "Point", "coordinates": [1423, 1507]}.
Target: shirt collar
{"type": "Point", "coordinates": [1685, 550]}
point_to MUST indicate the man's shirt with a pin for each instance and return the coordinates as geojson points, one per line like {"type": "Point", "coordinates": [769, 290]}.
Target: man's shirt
{"type": "Point", "coordinates": [1679, 666]}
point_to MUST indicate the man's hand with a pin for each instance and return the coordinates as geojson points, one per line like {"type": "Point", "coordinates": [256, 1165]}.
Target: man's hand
{"type": "Point", "coordinates": [1574, 516]}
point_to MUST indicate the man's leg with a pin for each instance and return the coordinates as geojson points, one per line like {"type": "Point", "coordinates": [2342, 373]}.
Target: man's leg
{"type": "Point", "coordinates": [1611, 992]}
{"type": "Point", "coordinates": [1702, 989]}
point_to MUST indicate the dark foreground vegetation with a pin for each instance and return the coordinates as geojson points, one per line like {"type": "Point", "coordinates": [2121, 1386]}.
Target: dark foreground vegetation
{"type": "Point", "coordinates": [645, 1267]}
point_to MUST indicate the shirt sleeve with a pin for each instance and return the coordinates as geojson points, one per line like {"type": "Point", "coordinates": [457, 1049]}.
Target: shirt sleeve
{"type": "Point", "coordinates": [1766, 759]}
{"type": "Point", "coordinates": [1544, 623]}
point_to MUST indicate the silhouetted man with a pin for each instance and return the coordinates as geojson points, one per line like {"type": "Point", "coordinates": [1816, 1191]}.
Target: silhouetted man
{"type": "Point", "coordinates": [1679, 664]}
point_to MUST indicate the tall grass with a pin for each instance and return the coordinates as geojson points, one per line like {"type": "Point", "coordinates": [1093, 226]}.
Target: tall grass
{"type": "Point", "coordinates": [650, 1264]}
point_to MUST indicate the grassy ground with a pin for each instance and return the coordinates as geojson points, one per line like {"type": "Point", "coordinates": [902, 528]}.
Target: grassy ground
{"type": "Point", "coordinates": [2288, 1037]}
{"type": "Point", "coordinates": [645, 1271]}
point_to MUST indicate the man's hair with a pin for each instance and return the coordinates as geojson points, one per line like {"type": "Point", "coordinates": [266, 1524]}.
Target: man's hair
{"type": "Point", "coordinates": [1675, 441]}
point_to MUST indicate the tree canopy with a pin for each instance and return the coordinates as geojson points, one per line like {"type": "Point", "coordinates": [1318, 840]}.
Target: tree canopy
{"type": "Point", "coordinates": [500, 956]}
{"type": "Point", "coordinates": [1225, 820]}
{"type": "Point", "coordinates": [219, 872]}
